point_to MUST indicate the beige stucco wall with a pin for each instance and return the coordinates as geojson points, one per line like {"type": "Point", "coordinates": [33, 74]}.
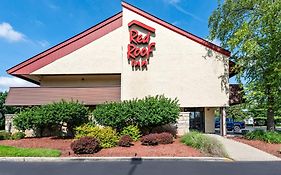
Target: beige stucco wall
{"type": "Point", "coordinates": [100, 56]}
{"type": "Point", "coordinates": [178, 68]}
{"type": "Point", "coordinates": [81, 81]}
{"type": "Point", "coordinates": [210, 120]}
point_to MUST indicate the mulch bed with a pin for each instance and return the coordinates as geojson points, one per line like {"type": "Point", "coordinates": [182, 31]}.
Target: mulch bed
{"type": "Point", "coordinates": [176, 149]}
{"type": "Point", "coordinates": [273, 149]}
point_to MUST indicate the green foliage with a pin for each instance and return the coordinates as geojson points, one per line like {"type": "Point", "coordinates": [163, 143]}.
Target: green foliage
{"type": "Point", "coordinates": [5, 109]}
{"type": "Point", "coordinates": [52, 116]}
{"type": "Point", "coordinates": [269, 137]}
{"type": "Point", "coordinates": [148, 112]}
{"type": "Point", "coordinates": [251, 29]}
{"type": "Point", "coordinates": [17, 135]}
{"type": "Point", "coordinates": [132, 131]}
{"type": "Point", "coordinates": [5, 135]}
{"type": "Point", "coordinates": [106, 135]}
{"type": "Point", "coordinates": [237, 112]}
{"type": "Point", "coordinates": [9, 151]}
{"type": "Point", "coordinates": [204, 143]}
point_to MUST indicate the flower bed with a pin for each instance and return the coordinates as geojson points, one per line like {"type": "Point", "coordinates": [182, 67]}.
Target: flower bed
{"type": "Point", "coordinates": [270, 148]}
{"type": "Point", "coordinates": [176, 149]}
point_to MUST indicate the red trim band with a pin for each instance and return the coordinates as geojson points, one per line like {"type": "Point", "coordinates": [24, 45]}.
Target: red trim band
{"type": "Point", "coordinates": [151, 29]}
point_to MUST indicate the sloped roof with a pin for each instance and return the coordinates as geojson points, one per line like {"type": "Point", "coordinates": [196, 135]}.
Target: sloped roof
{"type": "Point", "coordinates": [93, 33]}
{"type": "Point", "coordinates": [29, 96]}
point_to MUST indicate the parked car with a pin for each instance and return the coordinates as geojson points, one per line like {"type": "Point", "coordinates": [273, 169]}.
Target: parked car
{"type": "Point", "coordinates": [231, 124]}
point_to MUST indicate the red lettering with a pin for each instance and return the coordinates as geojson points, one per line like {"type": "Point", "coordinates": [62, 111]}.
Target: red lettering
{"type": "Point", "coordinates": [137, 52]}
{"type": "Point", "coordinates": [139, 38]}
{"type": "Point", "coordinates": [131, 49]}
{"type": "Point", "coordinates": [144, 63]}
{"type": "Point", "coordinates": [146, 38]}
{"type": "Point", "coordinates": [143, 52]}
{"type": "Point", "coordinates": [133, 36]}
{"type": "Point", "coordinates": [149, 50]}
{"type": "Point", "coordinates": [135, 63]}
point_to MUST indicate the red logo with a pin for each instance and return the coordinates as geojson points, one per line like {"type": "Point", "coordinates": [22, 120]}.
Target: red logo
{"type": "Point", "coordinates": [140, 49]}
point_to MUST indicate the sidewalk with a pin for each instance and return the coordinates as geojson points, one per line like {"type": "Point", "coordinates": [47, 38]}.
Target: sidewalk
{"type": "Point", "coordinates": [242, 152]}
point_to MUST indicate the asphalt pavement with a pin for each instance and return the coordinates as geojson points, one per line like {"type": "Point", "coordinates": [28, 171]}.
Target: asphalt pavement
{"type": "Point", "coordinates": [141, 167]}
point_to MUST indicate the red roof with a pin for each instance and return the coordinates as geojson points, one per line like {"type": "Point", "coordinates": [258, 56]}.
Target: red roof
{"type": "Point", "coordinates": [93, 33]}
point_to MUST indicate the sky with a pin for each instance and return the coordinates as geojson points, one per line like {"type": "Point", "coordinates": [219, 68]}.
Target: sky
{"type": "Point", "coordinates": [28, 27]}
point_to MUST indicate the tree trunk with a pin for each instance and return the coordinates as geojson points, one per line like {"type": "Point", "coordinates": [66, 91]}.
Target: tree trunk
{"type": "Point", "coordinates": [270, 119]}
{"type": "Point", "coordinates": [270, 114]}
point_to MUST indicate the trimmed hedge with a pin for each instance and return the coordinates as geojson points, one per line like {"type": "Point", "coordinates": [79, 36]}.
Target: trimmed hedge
{"type": "Point", "coordinates": [106, 135]}
{"type": "Point", "coordinates": [85, 145]}
{"type": "Point", "coordinates": [50, 116]}
{"type": "Point", "coordinates": [125, 141]}
{"type": "Point", "coordinates": [157, 138]}
{"type": "Point", "coordinates": [146, 113]}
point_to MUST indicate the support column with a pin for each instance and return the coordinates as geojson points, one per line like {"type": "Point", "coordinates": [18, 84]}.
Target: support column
{"type": "Point", "coordinates": [223, 121]}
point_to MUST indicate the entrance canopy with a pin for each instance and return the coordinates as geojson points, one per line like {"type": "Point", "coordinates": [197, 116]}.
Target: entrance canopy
{"type": "Point", "coordinates": [30, 96]}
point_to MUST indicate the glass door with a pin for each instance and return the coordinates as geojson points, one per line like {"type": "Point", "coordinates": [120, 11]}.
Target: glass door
{"type": "Point", "coordinates": [196, 119]}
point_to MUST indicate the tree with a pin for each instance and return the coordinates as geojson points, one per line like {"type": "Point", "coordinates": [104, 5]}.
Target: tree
{"type": "Point", "coordinates": [251, 30]}
{"type": "Point", "coordinates": [5, 109]}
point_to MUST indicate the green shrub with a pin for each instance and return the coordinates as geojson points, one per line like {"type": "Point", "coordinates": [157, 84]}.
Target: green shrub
{"type": "Point", "coordinates": [204, 143]}
{"type": "Point", "coordinates": [5, 135]}
{"type": "Point", "coordinates": [106, 135]}
{"type": "Point", "coordinates": [52, 116]}
{"type": "Point", "coordinates": [85, 145]}
{"type": "Point", "coordinates": [146, 113]}
{"type": "Point", "coordinates": [17, 135]}
{"type": "Point", "coordinates": [132, 131]}
{"type": "Point", "coordinates": [125, 141]}
{"type": "Point", "coordinates": [266, 136]}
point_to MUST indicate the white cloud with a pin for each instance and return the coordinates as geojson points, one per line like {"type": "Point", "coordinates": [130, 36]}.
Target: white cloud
{"type": "Point", "coordinates": [174, 1]}
{"type": "Point", "coordinates": [6, 82]}
{"type": "Point", "coordinates": [176, 4]}
{"type": "Point", "coordinates": [7, 32]}
{"type": "Point", "coordinates": [43, 43]}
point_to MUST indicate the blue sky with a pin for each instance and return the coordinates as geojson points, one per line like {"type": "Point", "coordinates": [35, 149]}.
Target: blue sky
{"type": "Point", "coordinates": [28, 27]}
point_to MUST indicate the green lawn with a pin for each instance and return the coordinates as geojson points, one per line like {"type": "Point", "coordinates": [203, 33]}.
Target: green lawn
{"type": "Point", "coordinates": [9, 151]}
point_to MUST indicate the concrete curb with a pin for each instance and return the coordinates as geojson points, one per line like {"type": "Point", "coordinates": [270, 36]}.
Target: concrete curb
{"type": "Point", "coordinates": [95, 159]}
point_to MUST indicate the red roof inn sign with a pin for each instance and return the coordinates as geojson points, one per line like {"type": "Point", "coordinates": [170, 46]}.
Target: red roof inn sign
{"type": "Point", "coordinates": [139, 48]}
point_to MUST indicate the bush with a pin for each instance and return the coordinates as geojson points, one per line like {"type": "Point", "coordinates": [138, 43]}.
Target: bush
{"type": "Point", "coordinates": [17, 136]}
{"type": "Point", "coordinates": [157, 138]}
{"type": "Point", "coordinates": [52, 116]}
{"type": "Point", "coordinates": [266, 136]}
{"type": "Point", "coordinates": [125, 141]}
{"type": "Point", "coordinates": [146, 113]}
{"type": "Point", "coordinates": [132, 131]}
{"type": "Point", "coordinates": [165, 138]}
{"type": "Point", "coordinates": [204, 143]}
{"type": "Point", "coordinates": [5, 135]}
{"type": "Point", "coordinates": [106, 135]}
{"type": "Point", "coordinates": [149, 140]}
{"type": "Point", "coordinates": [85, 145]}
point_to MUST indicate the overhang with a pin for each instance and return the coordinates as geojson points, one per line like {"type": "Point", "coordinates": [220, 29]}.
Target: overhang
{"type": "Point", "coordinates": [30, 96]}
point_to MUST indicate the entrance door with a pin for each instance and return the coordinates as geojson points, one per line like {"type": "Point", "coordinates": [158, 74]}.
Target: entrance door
{"type": "Point", "coordinates": [196, 119]}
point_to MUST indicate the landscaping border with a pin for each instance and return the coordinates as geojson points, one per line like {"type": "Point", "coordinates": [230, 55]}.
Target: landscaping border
{"type": "Point", "coordinates": [94, 159]}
